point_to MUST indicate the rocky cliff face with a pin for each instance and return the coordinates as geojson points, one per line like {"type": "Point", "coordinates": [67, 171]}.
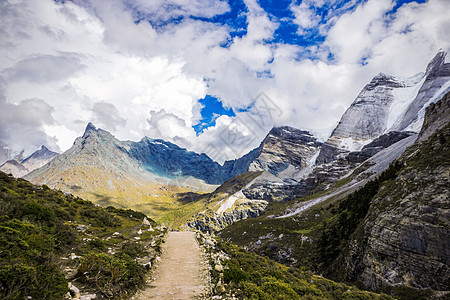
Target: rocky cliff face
{"type": "Point", "coordinates": [404, 239]}
{"type": "Point", "coordinates": [367, 117]}
{"type": "Point", "coordinates": [437, 116]}
{"type": "Point", "coordinates": [283, 152]}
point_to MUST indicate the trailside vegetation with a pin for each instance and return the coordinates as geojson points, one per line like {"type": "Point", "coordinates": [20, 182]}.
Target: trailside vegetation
{"type": "Point", "coordinates": [48, 238]}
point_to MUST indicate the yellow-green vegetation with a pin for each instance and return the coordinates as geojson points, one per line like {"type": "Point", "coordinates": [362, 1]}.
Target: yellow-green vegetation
{"type": "Point", "coordinates": [191, 204]}
{"type": "Point", "coordinates": [106, 188]}
{"type": "Point", "coordinates": [48, 238]}
{"type": "Point", "coordinates": [250, 276]}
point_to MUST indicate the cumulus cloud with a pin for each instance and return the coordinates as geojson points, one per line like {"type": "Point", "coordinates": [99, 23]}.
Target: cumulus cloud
{"type": "Point", "coordinates": [21, 123]}
{"type": "Point", "coordinates": [106, 115]}
{"type": "Point", "coordinates": [45, 68]}
{"type": "Point", "coordinates": [132, 70]}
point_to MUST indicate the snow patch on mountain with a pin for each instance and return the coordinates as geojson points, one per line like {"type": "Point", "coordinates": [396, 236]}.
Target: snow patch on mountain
{"type": "Point", "coordinates": [403, 97]}
{"type": "Point", "coordinates": [417, 125]}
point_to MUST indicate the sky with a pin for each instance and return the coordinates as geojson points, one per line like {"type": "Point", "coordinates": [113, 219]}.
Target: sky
{"type": "Point", "coordinates": [212, 76]}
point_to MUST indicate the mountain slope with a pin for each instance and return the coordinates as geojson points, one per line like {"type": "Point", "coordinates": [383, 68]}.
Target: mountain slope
{"type": "Point", "coordinates": [99, 168]}
{"type": "Point", "coordinates": [167, 159]}
{"type": "Point", "coordinates": [404, 239]}
{"type": "Point", "coordinates": [50, 242]}
{"type": "Point", "coordinates": [283, 152]}
{"type": "Point", "coordinates": [435, 86]}
{"type": "Point", "coordinates": [388, 103]}
{"type": "Point", "coordinates": [19, 168]}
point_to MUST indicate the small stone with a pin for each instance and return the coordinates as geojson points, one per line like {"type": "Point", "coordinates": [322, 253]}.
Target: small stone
{"type": "Point", "coordinates": [137, 238]}
{"type": "Point", "coordinates": [81, 228]}
{"type": "Point", "coordinates": [146, 222]}
{"type": "Point", "coordinates": [219, 287]}
{"type": "Point", "coordinates": [74, 290]}
{"type": "Point", "coordinates": [73, 256]}
{"type": "Point", "coordinates": [140, 231]}
{"type": "Point", "coordinates": [218, 268]}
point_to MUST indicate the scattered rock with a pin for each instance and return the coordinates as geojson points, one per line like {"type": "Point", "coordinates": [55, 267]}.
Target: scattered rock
{"type": "Point", "coordinates": [146, 222]}
{"type": "Point", "coordinates": [220, 288]}
{"type": "Point", "coordinates": [82, 228]}
{"type": "Point", "coordinates": [74, 290]}
{"type": "Point", "coordinates": [218, 267]}
{"type": "Point", "coordinates": [73, 256]}
{"type": "Point", "coordinates": [209, 243]}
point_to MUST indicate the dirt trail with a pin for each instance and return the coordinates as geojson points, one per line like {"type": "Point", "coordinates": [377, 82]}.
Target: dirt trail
{"type": "Point", "coordinates": [181, 273]}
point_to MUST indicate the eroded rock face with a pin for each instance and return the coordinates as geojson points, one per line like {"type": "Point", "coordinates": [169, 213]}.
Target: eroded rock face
{"type": "Point", "coordinates": [366, 117]}
{"type": "Point", "coordinates": [213, 221]}
{"type": "Point", "coordinates": [283, 152]}
{"type": "Point", "coordinates": [404, 239]}
{"type": "Point", "coordinates": [437, 116]}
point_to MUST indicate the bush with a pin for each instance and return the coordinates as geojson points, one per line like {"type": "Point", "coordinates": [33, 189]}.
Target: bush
{"type": "Point", "coordinates": [234, 274]}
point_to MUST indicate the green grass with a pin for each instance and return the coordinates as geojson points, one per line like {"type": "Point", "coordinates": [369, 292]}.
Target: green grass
{"type": "Point", "coordinates": [39, 228]}
{"type": "Point", "coordinates": [250, 276]}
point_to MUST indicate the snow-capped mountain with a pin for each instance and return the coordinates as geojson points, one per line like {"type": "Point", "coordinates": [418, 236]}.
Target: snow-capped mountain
{"type": "Point", "coordinates": [6, 153]}
{"type": "Point", "coordinates": [389, 103]}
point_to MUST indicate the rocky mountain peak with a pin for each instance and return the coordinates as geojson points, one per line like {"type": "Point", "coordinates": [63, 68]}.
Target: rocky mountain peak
{"type": "Point", "coordinates": [90, 126]}
{"type": "Point", "coordinates": [436, 63]}
{"type": "Point", "coordinates": [384, 80]}
{"type": "Point", "coordinates": [290, 133]}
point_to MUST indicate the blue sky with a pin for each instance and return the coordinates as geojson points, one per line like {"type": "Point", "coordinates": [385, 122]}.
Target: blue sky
{"type": "Point", "coordinates": [189, 71]}
{"type": "Point", "coordinates": [280, 12]}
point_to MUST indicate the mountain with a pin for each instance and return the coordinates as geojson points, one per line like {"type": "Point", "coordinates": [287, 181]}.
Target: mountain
{"type": "Point", "coordinates": [435, 86]}
{"type": "Point", "coordinates": [20, 167]}
{"type": "Point", "coordinates": [283, 152]}
{"type": "Point", "coordinates": [388, 104]}
{"type": "Point", "coordinates": [291, 163]}
{"type": "Point", "coordinates": [403, 240]}
{"type": "Point", "coordinates": [383, 226]}
{"type": "Point", "coordinates": [39, 158]}
{"type": "Point", "coordinates": [107, 171]}
{"type": "Point", "coordinates": [6, 153]}
{"type": "Point", "coordinates": [167, 159]}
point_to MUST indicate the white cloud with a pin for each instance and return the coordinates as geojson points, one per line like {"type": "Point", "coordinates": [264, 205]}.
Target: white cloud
{"type": "Point", "coordinates": [90, 61]}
